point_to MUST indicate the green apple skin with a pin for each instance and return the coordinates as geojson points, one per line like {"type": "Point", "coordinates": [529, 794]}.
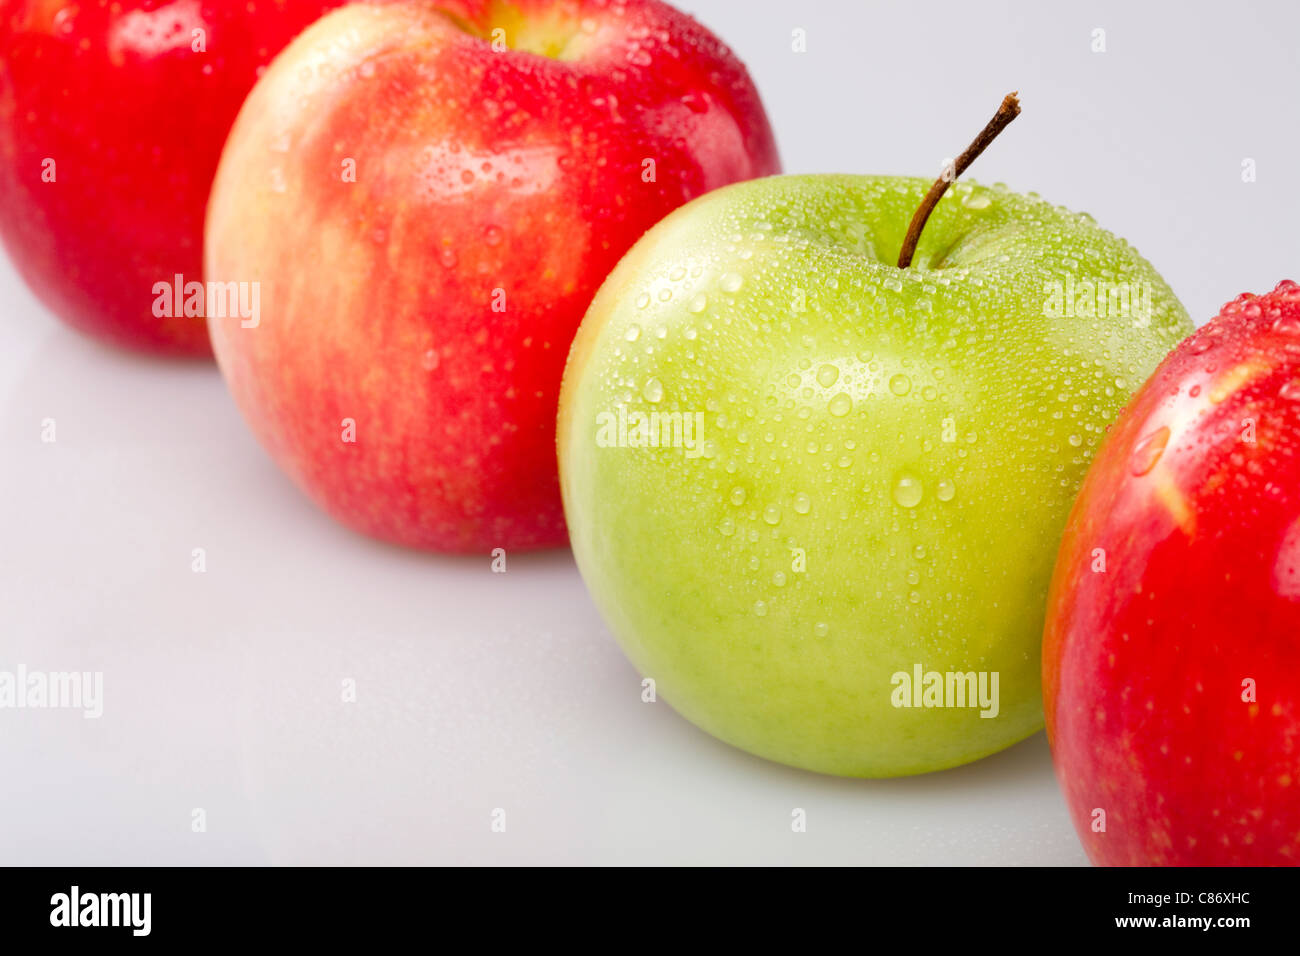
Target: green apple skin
{"type": "Point", "coordinates": [917, 435]}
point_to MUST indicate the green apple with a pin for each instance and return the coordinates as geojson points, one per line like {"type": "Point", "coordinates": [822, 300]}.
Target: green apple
{"type": "Point", "coordinates": [816, 496]}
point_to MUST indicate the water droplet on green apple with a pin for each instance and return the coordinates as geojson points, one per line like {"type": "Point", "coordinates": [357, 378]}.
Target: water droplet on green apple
{"type": "Point", "coordinates": [772, 514]}
{"type": "Point", "coordinates": [900, 384]}
{"type": "Point", "coordinates": [828, 375]}
{"type": "Point", "coordinates": [633, 333]}
{"type": "Point", "coordinates": [737, 496]}
{"type": "Point", "coordinates": [730, 282]}
{"type": "Point", "coordinates": [727, 527]}
{"type": "Point", "coordinates": [821, 628]}
{"type": "Point", "coordinates": [977, 200]}
{"type": "Point", "coordinates": [643, 300]}
{"type": "Point", "coordinates": [908, 490]}
{"type": "Point", "coordinates": [699, 302]}
{"type": "Point", "coordinates": [802, 503]}
{"type": "Point", "coordinates": [653, 391]}
{"type": "Point", "coordinates": [760, 608]}
{"type": "Point", "coordinates": [778, 578]}
{"type": "Point", "coordinates": [840, 405]}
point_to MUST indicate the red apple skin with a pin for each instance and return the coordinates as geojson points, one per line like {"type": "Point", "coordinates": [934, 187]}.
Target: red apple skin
{"type": "Point", "coordinates": [1145, 663]}
{"type": "Point", "coordinates": [134, 119]}
{"type": "Point", "coordinates": [482, 179]}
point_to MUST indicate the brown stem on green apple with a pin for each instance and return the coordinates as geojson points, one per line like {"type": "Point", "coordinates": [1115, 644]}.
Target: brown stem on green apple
{"type": "Point", "coordinates": [1008, 111]}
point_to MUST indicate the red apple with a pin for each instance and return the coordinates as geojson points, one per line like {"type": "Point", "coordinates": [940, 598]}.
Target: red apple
{"type": "Point", "coordinates": [1171, 659]}
{"type": "Point", "coordinates": [112, 118]}
{"type": "Point", "coordinates": [426, 196]}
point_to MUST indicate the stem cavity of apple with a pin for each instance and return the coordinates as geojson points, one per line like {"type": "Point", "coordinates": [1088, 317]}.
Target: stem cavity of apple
{"type": "Point", "coordinates": [1008, 111]}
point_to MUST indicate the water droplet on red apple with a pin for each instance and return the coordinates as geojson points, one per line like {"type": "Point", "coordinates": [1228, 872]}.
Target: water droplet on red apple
{"type": "Point", "coordinates": [1148, 451]}
{"type": "Point", "coordinates": [1290, 391]}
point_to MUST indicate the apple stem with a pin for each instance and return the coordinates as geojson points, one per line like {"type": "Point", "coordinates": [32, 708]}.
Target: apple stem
{"type": "Point", "coordinates": [1008, 111]}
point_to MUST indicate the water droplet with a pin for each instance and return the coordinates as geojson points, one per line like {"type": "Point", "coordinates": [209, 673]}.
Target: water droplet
{"type": "Point", "coordinates": [699, 302]}
{"type": "Point", "coordinates": [1290, 391]}
{"type": "Point", "coordinates": [430, 360]}
{"type": "Point", "coordinates": [919, 551]}
{"type": "Point", "coordinates": [1075, 440]}
{"type": "Point", "coordinates": [633, 333]}
{"type": "Point", "coordinates": [977, 200]}
{"type": "Point", "coordinates": [760, 608]}
{"type": "Point", "coordinates": [840, 405]}
{"type": "Point", "coordinates": [913, 577]}
{"type": "Point", "coordinates": [737, 496]}
{"type": "Point", "coordinates": [821, 628]}
{"type": "Point", "coordinates": [772, 514]}
{"type": "Point", "coordinates": [653, 391]}
{"type": "Point", "coordinates": [1148, 451]}
{"type": "Point", "coordinates": [908, 490]}
{"type": "Point", "coordinates": [731, 282]}
{"type": "Point", "coordinates": [643, 300]}
{"type": "Point", "coordinates": [1288, 325]}
{"type": "Point", "coordinates": [802, 503]}
{"type": "Point", "coordinates": [900, 384]}
{"type": "Point", "coordinates": [727, 527]}
{"type": "Point", "coordinates": [778, 579]}
{"type": "Point", "coordinates": [945, 490]}
{"type": "Point", "coordinates": [828, 375]}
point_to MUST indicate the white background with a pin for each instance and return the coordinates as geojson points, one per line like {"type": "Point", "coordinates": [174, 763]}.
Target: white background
{"type": "Point", "coordinates": [481, 690]}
